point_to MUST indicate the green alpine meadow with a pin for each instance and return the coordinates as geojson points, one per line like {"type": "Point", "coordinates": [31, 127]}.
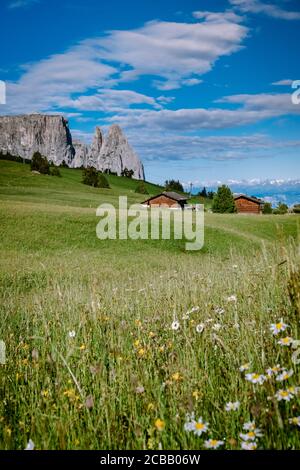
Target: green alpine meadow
{"type": "Point", "coordinates": [140, 344]}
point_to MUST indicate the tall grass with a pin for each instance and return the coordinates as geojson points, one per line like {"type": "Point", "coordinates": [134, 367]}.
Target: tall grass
{"type": "Point", "coordinates": [92, 361]}
{"type": "Point", "coordinates": [125, 368]}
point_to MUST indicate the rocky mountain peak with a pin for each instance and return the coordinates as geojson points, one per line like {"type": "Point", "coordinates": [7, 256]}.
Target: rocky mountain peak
{"type": "Point", "coordinates": [50, 135]}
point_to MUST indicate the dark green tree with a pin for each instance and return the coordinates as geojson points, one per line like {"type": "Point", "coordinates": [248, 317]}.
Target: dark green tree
{"type": "Point", "coordinates": [90, 176]}
{"type": "Point", "coordinates": [203, 193]}
{"type": "Point", "coordinates": [40, 163]}
{"type": "Point", "coordinates": [267, 209]}
{"type": "Point", "coordinates": [173, 185]}
{"type": "Point", "coordinates": [223, 201]}
{"type": "Point", "coordinates": [127, 173]}
{"type": "Point", "coordinates": [210, 194]}
{"type": "Point", "coordinates": [281, 209]}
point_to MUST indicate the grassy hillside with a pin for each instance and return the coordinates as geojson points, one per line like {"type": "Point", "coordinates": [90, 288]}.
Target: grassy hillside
{"type": "Point", "coordinates": [125, 368]}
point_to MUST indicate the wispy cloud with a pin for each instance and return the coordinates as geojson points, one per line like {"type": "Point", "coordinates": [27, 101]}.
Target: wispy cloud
{"type": "Point", "coordinates": [174, 146]}
{"type": "Point", "coordinates": [175, 54]}
{"type": "Point", "coordinates": [249, 109]}
{"type": "Point", "coordinates": [285, 82]}
{"type": "Point", "coordinates": [21, 3]}
{"type": "Point", "coordinates": [269, 9]}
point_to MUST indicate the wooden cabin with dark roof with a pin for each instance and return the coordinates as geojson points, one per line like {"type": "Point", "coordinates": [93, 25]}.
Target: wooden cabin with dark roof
{"type": "Point", "coordinates": [167, 199]}
{"type": "Point", "coordinates": [248, 204]}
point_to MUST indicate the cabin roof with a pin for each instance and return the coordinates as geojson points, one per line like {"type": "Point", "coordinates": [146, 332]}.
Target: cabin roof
{"type": "Point", "coordinates": [249, 198]}
{"type": "Point", "coordinates": [170, 194]}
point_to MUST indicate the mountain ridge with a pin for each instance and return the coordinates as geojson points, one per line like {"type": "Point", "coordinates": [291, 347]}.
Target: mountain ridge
{"type": "Point", "coordinates": [22, 135]}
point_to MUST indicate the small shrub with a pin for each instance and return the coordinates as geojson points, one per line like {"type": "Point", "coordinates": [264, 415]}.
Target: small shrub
{"type": "Point", "coordinates": [141, 188]}
{"type": "Point", "coordinates": [281, 209]}
{"type": "Point", "coordinates": [267, 209]}
{"type": "Point", "coordinates": [55, 171]}
{"type": "Point", "coordinates": [40, 163]}
{"type": "Point", "coordinates": [102, 181]}
{"type": "Point", "coordinates": [90, 176]}
{"type": "Point", "coordinates": [296, 209]}
{"type": "Point", "coordinates": [94, 178]}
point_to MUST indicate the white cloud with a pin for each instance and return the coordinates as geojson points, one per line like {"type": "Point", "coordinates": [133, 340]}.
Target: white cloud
{"type": "Point", "coordinates": [177, 54]}
{"type": "Point", "coordinates": [109, 100]}
{"type": "Point", "coordinates": [174, 52]}
{"type": "Point", "coordinates": [285, 82]}
{"type": "Point", "coordinates": [250, 109]}
{"type": "Point", "coordinates": [270, 104]}
{"type": "Point", "coordinates": [45, 85]}
{"type": "Point", "coordinates": [171, 146]}
{"type": "Point", "coordinates": [21, 3]}
{"type": "Point", "coordinates": [269, 9]}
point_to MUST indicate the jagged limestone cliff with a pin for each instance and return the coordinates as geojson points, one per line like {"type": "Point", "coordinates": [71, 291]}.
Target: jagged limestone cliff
{"type": "Point", "coordinates": [50, 135]}
{"type": "Point", "coordinates": [113, 152]}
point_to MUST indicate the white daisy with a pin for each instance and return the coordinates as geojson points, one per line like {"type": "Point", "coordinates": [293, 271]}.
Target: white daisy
{"type": "Point", "coordinates": [200, 327]}
{"type": "Point", "coordinates": [256, 378]}
{"type": "Point", "coordinates": [213, 444]}
{"type": "Point", "coordinates": [217, 326]}
{"type": "Point", "coordinates": [249, 436]}
{"type": "Point", "coordinates": [278, 327]}
{"type": "Point", "coordinates": [232, 406]}
{"type": "Point", "coordinates": [285, 375]}
{"type": "Point", "coordinates": [273, 370]}
{"type": "Point", "coordinates": [72, 334]}
{"type": "Point", "coordinates": [249, 445]}
{"type": "Point", "coordinates": [232, 298]}
{"type": "Point", "coordinates": [295, 420]}
{"type": "Point", "coordinates": [198, 426]}
{"type": "Point", "coordinates": [285, 395]}
{"type": "Point", "coordinates": [175, 325]}
{"type": "Point", "coordinates": [249, 426]}
{"type": "Point", "coordinates": [287, 341]}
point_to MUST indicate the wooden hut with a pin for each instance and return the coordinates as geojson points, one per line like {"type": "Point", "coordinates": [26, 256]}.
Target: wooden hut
{"type": "Point", "coordinates": [248, 204]}
{"type": "Point", "coordinates": [167, 198]}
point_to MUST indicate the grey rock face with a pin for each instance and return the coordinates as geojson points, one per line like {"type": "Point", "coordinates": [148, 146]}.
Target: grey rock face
{"type": "Point", "coordinates": [116, 154]}
{"type": "Point", "coordinates": [49, 135]}
{"type": "Point", "coordinates": [111, 152]}
{"type": "Point", "coordinates": [81, 154]}
{"type": "Point", "coordinates": [95, 148]}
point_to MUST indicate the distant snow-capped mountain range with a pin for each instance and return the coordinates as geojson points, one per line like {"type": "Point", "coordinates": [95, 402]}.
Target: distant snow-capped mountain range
{"type": "Point", "coordinates": [271, 190]}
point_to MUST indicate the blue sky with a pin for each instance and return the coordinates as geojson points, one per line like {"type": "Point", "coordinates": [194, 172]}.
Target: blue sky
{"type": "Point", "coordinates": [202, 89]}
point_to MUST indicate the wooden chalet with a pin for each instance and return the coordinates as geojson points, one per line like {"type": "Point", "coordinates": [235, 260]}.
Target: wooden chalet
{"type": "Point", "coordinates": [248, 204]}
{"type": "Point", "coordinates": [168, 199]}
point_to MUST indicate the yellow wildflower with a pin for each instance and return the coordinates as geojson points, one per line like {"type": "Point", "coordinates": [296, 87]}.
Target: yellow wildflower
{"type": "Point", "coordinates": [160, 424]}
{"type": "Point", "coordinates": [176, 377]}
